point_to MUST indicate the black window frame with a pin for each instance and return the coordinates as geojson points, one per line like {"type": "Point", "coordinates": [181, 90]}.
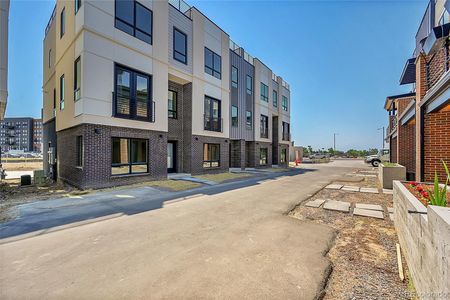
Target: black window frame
{"type": "Point", "coordinates": [133, 99]}
{"type": "Point", "coordinates": [264, 127]}
{"type": "Point", "coordinates": [234, 81]}
{"type": "Point", "coordinates": [175, 29]}
{"type": "Point", "coordinates": [211, 70]}
{"type": "Point", "coordinates": [266, 159]}
{"type": "Point", "coordinates": [234, 118]}
{"type": "Point", "coordinates": [275, 98]}
{"type": "Point", "coordinates": [78, 4]}
{"type": "Point", "coordinates": [213, 125]}
{"type": "Point", "coordinates": [284, 103]}
{"type": "Point", "coordinates": [130, 164]}
{"type": "Point", "coordinates": [172, 114]}
{"type": "Point", "coordinates": [209, 162]}
{"type": "Point", "coordinates": [249, 90]}
{"type": "Point", "coordinates": [133, 26]}
{"type": "Point", "coordinates": [62, 23]}
{"type": "Point", "coordinates": [76, 84]}
{"type": "Point", "coordinates": [247, 118]}
{"type": "Point", "coordinates": [79, 151]}
{"type": "Point", "coordinates": [62, 89]}
{"type": "Point", "coordinates": [264, 89]}
{"type": "Point", "coordinates": [285, 131]}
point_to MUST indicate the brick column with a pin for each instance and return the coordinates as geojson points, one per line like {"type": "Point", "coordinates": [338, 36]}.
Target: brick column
{"type": "Point", "coordinates": [421, 89]}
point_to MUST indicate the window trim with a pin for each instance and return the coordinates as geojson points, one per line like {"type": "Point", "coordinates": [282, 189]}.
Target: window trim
{"type": "Point", "coordinates": [219, 118]}
{"type": "Point", "coordinates": [185, 46]}
{"type": "Point", "coordinates": [264, 87]}
{"type": "Point", "coordinates": [176, 105]}
{"type": "Point", "coordinates": [249, 91]}
{"type": "Point", "coordinates": [274, 99]}
{"type": "Point", "coordinates": [76, 90]}
{"type": "Point", "coordinates": [62, 23]}
{"type": "Point", "coordinates": [234, 83]}
{"type": "Point", "coordinates": [133, 113]}
{"type": "Point", "coordinates": [284, 104]}
{"type": "Point", "coordinates": [134, 22]}
{"type": "Point", "coordinates": [62, 83]}
{"type": "Point", "coordinates": [213, 70]}
{"type": "Point", "coordinates": [210, 161]}
{"type": "Point", "coordinates": [234, 123]}
{"type": "Point", "coordinates": [130, 164]}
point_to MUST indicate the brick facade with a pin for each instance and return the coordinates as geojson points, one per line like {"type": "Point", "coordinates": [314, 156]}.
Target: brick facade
{"type": "Point", "coordinates": [237, 154]}
{"type": "Point", "coordinates": [407, 147]}
{"type": "Point", "coordinates": [393, 149]}
{"type": "Point", "coordinates": [196, 161]}
{"type": "Point", "coordinates": [253, 154]}
{"type": "Point", "coordinates": [96, 169]}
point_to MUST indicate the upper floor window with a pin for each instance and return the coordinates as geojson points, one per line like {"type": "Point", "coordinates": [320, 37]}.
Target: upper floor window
{"type": "Point", "coordinates": [62, 28]}
{"type": "Point", "coordinates": [234, 116]}
{"type": "Point", "coordinates": [134, 19]}
{"type": "Point", "coordinates": [285, 131]}
{"type": "Point", "coordinates": [61, 92]}
{"type": "Point", "coordinates": [248, 119]}
{"type": "Point", "coordinates": [284, 103]}
{"type": "Point", "coordinates": [77, 5]}
{"type": "Point", "coordinates": [249, 84]}
{"type": "Point", "coordinates": [132, 95]}
{"type": "Point", "coordinates": [234, 77]}
{"type": "Point", "coordinates": [275, 98]}
{"type": "Point", "coordinates": [172, 105]}
{"type": "Point", "coordinates": [264, 127]}
{"type": "Point", "coordinates": [179, 46]}
{"type": "Point", "coordinates": [213, 114]}
{"type": "Point", "coordinates": [77, 79]}
{"type": "Point", "coordinates": [264, 92]}
{"type": "Point", "coordinates": [213, 64]}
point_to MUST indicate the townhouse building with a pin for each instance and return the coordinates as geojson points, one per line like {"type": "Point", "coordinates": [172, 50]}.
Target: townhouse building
{"type": "Point", "coordinates": [134, 90]}
{"type": "Point", "coordinates": [421, 137]}
{"type": "Point", "coordinates": [4, 15]}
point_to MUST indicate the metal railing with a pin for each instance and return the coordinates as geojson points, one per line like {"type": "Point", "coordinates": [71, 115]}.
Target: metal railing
{"type": "Point", "coordinates": [212, 123]}
{"type": "Point", "coordinates": [286, 137]}
{"type": "Point", "coordinates": [181, 6]}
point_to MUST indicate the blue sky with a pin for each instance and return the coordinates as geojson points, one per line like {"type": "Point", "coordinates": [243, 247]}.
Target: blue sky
{"type": "Point", "coordinates": [341, 58]}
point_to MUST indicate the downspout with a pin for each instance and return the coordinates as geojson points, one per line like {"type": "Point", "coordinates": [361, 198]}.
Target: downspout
{"type": "Point", "coordinates": [422, 152]}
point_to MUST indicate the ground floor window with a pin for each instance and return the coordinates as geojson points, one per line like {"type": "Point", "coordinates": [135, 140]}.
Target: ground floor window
{"type": "Point", "coordinates": [129, 156]}
{"type": "Point", "coordinates": [80, 153]}
{"type": "Point", "coordinates": [211, 155]}
{"type": "Point", "coordinates": [263, 156]}
{"type": "Point", "coordinates": [283, 156]}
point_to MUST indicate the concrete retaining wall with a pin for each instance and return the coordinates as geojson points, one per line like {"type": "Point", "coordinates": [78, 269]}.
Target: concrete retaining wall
{"type": "Point", "coordinates": [387, 174]}
{"type": "Point", "coordinates": [425, 243]}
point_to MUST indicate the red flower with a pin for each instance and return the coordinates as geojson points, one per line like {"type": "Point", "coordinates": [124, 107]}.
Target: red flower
{"type": "Point", "coordinates": [419, 189]}
{"type": "Point", "coordinates": [425, 195]}
{"type": "Point", "coordinates": [413, 183]}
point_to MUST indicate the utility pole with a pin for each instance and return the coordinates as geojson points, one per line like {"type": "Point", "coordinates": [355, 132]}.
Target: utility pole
{"type": "Point", "coordinates": [382, 128]}
{"type": "Point", "coordinates": [334, 141]}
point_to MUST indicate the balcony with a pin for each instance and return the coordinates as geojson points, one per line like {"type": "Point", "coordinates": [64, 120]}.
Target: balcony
{"type": "Point", "coordinates": [182, 6]}
{"type": "Point", "coordinates": [212, 123]}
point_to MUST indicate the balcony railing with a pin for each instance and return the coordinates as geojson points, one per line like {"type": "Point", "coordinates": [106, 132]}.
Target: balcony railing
{"type": "Point", "coordinates": [212, 123]}
{"type": "Point", "coordinates": [286, 136]}
{"type": "Point", "coordinates": [181, 6]}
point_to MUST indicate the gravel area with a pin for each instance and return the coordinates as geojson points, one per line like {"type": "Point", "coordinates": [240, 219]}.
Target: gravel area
{"type": "Point", "coordinates": [364, 255]}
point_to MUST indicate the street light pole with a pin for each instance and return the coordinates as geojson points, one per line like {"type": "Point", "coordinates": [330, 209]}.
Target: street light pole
{"type": "Point", "coordinates": [382, 128]}
{"type": "Point", "coordinates": [334, 141]}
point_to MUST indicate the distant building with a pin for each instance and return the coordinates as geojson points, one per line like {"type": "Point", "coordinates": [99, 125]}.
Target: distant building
{"type": "Point", "coordinates": [18, 134]}
{"type": "Point", "coordinates": [4, 12]}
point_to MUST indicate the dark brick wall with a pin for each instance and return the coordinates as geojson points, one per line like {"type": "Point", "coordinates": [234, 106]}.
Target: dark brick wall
{"type": "Point", "coordinates": [253, 154]}
{"type": "Point", "coordinates": [237, 154]}
{"type": "Point", "coordinates": [275, 137]}
{"type": "Point", "coordinates": [187, 129]}
{"type": "Point", "coordinates": [197, 154]}
{"type": "Point", "coordinates": [96, 170]}
{"type": "Point", "coordinates": [281, 147]}
{"type": "Point", "coordinates": [49, 136]}
{"type": "Point", "coordinates": [436, 143]}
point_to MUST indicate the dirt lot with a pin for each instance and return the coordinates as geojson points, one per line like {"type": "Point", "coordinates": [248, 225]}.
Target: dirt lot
{"type": "Point", "coordinates": [364, 255]}
{"type": "Point", "coordinates": [22, 166]}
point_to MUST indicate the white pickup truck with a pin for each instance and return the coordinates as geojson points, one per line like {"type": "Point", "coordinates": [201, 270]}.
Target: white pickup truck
{"type": "Point", "coordinates": [375, 160]}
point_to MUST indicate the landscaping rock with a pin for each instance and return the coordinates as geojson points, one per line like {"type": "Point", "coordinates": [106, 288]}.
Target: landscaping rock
{"type": "Point", "coordinates": [350, 188]}
{"type": "Point", "coordinates": [369, 190]}
{"type": "Point", "coordinates": [315, 203]}
{"type": "Point", "coordinates": [369, 206]}
{"type": "Point", "coordinates": [334, 186]}
{"type": "Point", "coordinates": [337, 205]}
{"type": "Point", "coordinates": [390, 210]}
{"type": "Point", "coordinates": [368, 213]}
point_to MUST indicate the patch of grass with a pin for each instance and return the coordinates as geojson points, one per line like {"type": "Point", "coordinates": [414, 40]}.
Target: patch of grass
{"type": "Point", "coordinates": [221, 177]}
{"type": "Point", "coordinates": [389, 164]}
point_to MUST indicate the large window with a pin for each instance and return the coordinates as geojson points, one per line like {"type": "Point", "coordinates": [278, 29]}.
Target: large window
{"type": "Point", "coordinates": [61, 92]}
{"type": "Point", "coordinates": [284, 103]}
{"type": "Point", "coordinates": [285, 131]}
{"type": "Point", "coordinates": [264, 128]}
{"type": "Point", "coordinates": [264, 92]}
{"type": "Point", "coordinates": [132, 95]}
{"type": "Point", "coordinates": [211, 155]}
{"type": "Point", "coordinates": [212, 118]}
{"type": "Point", "coordinates": [79, 151]}
{"type": "Point", "coordinates": [249, 84]}
{"type": "Point", "coordinates": [179, 46]}
{"type": "Point", "coordinates": [62, 25]}
{"type": "Point", "coordinates": [263, 156]}
{"type": "Point", "coordinates": [213, 64]}
{"type": "Point", "coordinates": [234, 116]}
{"type": "Point", "coordinates": [234, 77]}
{"type": "Point", "coordinates": [77, 79]}
{"type": "Point", "coordinates": [134, 19]}
{"type": "Point", "coordinates": [248, 119]}
{"type": "Point", "coordinates": [172, 105]}
{"type": "Point", "coordinates": [275, 98]}
{"type": "Point", "coordinates": [77, 5]}
{"type": "Point", "coordinates": [129, 156]}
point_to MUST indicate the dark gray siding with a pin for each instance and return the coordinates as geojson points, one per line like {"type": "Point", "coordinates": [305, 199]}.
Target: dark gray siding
{"type": "Point", "coordinates": [241, 99]}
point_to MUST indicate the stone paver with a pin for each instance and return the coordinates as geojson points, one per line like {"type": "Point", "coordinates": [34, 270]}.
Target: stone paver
{"type": "Point", "coordinates": [391, 216]}
{"type": "Point", "coordinates": [369, 206]}
{"type": "Point", "coordinates": [334, 186]}
{"type": "Point", "coordinates": [368, 213]}
{"type": "Point", "coordinates": [350, 188]}
{"type": "Point", "coordinates": [315, 203]}
{"type": "Point", "coordinates": [368, 190]}
{"type": "Point", "coordinates": [390, 210]}
{"type": "Point", "coordinates": [337, 205]}
{"type": "Point", "coordinates": [388, 191]}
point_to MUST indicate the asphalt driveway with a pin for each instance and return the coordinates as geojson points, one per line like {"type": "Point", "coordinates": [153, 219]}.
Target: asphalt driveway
{"type": "Point", "coordinates": [236, 243]}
